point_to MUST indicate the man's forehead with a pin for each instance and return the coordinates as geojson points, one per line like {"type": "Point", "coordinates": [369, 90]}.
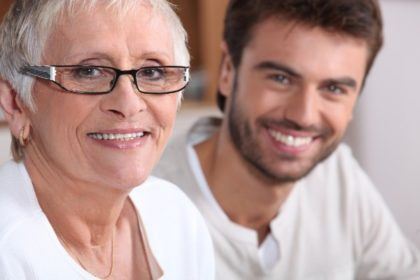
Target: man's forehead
{"type": "Point", "coordinates": [272, 35]}
{"type": "Point", "coordinates": [286, 28]}
{"type": "Point", "coordinates": [310, 52]}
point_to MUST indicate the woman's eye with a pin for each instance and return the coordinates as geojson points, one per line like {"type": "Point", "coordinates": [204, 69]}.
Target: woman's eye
{"type": "Point", "coordinates": [151, 74]}
{"type": "Point", "coordinates": [87, 72]}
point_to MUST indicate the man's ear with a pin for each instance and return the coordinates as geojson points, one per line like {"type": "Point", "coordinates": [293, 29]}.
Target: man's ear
{"type": "Point", "coordinates": [13, 109]}
{"type": "Point", "coordinates": [227, 72]}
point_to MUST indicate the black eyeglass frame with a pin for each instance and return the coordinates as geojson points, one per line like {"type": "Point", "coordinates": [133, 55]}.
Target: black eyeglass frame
{"type": "Point", "coordinates": [46, 72]}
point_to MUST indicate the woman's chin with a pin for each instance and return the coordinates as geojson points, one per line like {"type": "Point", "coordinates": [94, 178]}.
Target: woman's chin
{"type": "Point", "coordinates": [123, 180]}
{"type": "Point", "coordinates": [130, 182]}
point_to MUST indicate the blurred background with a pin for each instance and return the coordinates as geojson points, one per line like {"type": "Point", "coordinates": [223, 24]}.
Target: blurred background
{"type": "Point", "coordinates": [385, 134]}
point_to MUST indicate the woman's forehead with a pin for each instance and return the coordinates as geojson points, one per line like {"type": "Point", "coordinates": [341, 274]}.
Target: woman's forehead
{"type": "Point", "coordinates": [141, 30]}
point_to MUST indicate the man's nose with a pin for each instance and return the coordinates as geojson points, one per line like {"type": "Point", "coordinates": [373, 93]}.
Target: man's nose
{"type": "Point", "coordinates": [303, 107]}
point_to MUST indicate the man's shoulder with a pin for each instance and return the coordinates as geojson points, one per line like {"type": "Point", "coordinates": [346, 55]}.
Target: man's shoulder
{"type": "Point", "coordinates": [339, 165]}
{"type": "Point", "coordinates": [339, 178]}
{"type": "Point", "coordinates": [175, 153]}
{"type": "Point", "coordinates": [343, 155]}
{"type": "Point", "coordinates": [177, 163]}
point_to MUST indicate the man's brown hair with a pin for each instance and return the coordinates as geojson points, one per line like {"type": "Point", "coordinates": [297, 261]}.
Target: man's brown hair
{"type": "Point", "coordinates": [361, 19]}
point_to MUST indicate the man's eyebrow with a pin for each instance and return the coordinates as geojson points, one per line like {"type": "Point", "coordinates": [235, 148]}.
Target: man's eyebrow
{"type": "Point", "coordinates": [346, 81]}
{"type": "Point", "coordinates": [269, 65]}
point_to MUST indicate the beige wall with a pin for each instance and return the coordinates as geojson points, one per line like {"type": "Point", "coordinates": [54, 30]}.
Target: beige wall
{"type": "Point", "coordinates": [385, 134]}
{"type": "Point", "coordinates": [211, 20]}
{"type": "Point", "coordinates": [203, 20]}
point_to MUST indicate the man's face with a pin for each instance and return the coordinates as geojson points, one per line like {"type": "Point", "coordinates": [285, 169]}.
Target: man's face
{"type": "Point", "coordinates": [292, 97]}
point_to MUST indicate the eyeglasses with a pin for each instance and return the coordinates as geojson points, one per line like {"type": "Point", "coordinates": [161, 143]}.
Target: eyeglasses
{"type": "Point", "coordinates": [90, 79]}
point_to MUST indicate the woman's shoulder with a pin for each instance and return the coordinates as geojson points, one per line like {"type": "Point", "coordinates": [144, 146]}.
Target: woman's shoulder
{"type": "Point", "coordinates": [176, 231]}
{"type": "Point", "coordinates": [17, 202]}
{"type": "Point", "coordinates": [162, 206]}
{"type": "Point", "coordinates": [158, 193]}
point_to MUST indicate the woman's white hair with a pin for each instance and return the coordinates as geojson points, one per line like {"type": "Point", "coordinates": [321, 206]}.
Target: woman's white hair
{"type": "Point", "coordinates": [28, 24]}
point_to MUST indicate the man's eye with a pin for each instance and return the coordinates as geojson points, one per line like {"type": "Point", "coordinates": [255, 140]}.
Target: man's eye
{"type": "Point", "coordinates": [335, 89]}
{"type": "Point", "coordinates": [152, 74]}
{"type": "Point", "coordinates": [280, 78]}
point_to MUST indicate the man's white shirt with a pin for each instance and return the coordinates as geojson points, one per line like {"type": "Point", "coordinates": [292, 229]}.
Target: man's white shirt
{"type": "Point", "coordinates": [334, 224]}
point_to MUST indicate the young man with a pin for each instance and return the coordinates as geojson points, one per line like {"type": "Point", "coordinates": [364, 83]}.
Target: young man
{"type": "Point", "coordinates": [282, 197]}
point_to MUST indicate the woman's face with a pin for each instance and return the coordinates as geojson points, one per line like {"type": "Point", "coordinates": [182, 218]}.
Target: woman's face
{"type": "Point", "coordinates": [66, 127]}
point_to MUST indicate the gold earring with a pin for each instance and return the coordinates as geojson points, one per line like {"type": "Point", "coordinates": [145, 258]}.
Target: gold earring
{"type": "Point", "coordinates": [23, 140]}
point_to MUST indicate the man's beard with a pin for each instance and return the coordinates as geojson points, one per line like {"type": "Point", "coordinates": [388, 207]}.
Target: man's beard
{"type": "Point", "coordinates": [246, 143]}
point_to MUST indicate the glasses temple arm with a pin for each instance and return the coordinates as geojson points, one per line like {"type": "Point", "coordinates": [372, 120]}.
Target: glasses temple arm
{"type": "Point", "coordinates": [187, 75]}
{"type": "Point", "coordinates": [43, 72]}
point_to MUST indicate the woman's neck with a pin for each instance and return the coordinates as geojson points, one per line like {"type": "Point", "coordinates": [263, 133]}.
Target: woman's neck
{"type": "Point", "coordinates": [83, 213]}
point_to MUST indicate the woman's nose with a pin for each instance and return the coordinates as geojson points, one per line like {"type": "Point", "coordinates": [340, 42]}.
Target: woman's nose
{"type": "Point", "coordinates": [125, 100]}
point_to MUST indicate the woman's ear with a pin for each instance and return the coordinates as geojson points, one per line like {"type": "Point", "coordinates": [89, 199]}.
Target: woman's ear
{"type": "Point", "coordinates": [227, 72]}
{"type": "Point", "coordinates": [13, 109]}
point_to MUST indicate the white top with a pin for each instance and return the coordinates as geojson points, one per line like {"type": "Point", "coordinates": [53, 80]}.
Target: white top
{"type": "Point", "coordinates": [334, 224]}
{"type": "Point", "coordinates": [29, 248]}
{"type": "Point", "coordinates": [268, 251]}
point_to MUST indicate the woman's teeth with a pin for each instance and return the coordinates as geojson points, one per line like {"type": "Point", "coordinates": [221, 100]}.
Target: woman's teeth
{"type": "Point", "coordinates": [116, 136]}
{"type": "Point", "coordinates": [290, 140]}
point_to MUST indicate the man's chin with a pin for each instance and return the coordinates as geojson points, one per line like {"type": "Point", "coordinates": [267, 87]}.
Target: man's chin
{"type": "Point", "coordinates": [283, 175]}
{"type": "Point", "coordinates": [291, 174]}
{"type": "Point", "coordinates": [294, 176]}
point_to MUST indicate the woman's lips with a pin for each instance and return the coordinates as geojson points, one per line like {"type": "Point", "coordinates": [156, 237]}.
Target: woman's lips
{"type": "Point", "coordinates": [120, 139]}
{"type": "Point", "coordinates": [116, 136]}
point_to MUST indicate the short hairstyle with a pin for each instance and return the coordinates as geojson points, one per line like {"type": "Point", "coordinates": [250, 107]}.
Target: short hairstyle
{"type": "Point", "coordinates": [360, 19]}
{"type": "Point", "coordinates": [28, 24]}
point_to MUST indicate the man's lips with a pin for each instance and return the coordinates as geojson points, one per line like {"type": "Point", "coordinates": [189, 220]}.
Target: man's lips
{"type": "Point", "coordinates": [290, 140]}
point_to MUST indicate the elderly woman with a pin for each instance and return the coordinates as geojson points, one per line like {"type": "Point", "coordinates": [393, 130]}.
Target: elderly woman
{"type": "Point", "coordinates": [90, 89]}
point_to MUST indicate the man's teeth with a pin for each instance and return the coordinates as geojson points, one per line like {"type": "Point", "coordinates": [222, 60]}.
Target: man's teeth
{"type": "Point", "coordinates": [290, 140]}
{"type": "Point", "coordinates": [116, 136]}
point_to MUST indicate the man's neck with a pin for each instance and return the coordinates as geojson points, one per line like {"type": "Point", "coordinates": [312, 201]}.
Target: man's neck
{"type": "Point", "coordinates": [245, 198]}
